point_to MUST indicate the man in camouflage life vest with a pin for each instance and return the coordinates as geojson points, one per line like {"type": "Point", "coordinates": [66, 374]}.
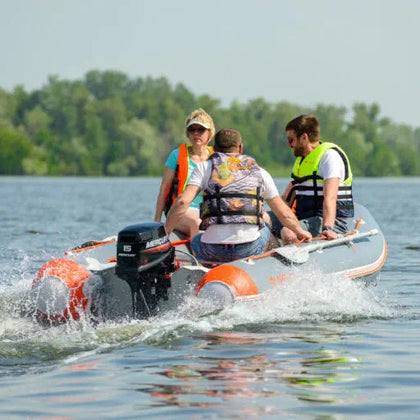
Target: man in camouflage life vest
{"type": "Point", "coordinates": [232, 212]}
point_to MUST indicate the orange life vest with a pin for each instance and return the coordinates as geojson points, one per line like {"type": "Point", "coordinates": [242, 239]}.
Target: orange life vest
{"type": "Point", "coordinates": [181, 175]}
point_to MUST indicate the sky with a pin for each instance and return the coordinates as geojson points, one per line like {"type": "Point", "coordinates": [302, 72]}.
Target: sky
{"type": "Point", "coordinates": [335, 52]}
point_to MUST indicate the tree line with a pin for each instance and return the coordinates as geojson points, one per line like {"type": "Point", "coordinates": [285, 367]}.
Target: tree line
{"type": "Point", "coordinates": [109, 124]}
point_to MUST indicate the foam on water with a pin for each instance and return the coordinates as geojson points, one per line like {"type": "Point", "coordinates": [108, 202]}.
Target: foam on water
{"type": "Point", "coordinates": [309, 296]}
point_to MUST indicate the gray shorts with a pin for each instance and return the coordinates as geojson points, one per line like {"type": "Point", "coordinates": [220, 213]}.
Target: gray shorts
{"type": "Point", "coordinates": [314, 225]}
{"type": "Point", "coordinates": [311, 224]}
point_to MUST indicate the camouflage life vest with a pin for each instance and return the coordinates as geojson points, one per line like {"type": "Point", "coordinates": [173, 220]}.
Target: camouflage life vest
{"type": "Point", "coordinates": [233, 193]}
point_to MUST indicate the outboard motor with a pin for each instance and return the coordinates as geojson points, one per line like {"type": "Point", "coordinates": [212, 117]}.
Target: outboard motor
{"type": "Point", "coordinates": [145, 260]}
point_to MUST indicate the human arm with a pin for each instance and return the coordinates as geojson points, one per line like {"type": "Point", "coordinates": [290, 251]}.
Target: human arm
{"type": "Point", "coordinates": [280, 208]}
{"type": "Point", "coordinates": [180, 206]}
{"type": "Point", "coordinates": [332, 170]}
{"type": "Point", "coordinates": [165, 188]}
{"type": "Point", "coordinates": [329, 208]}
{"type": "Point", "coordinates": [287, 217]}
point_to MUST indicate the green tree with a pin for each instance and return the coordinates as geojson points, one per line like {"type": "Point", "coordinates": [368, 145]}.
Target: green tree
{"type": "Point", "coordinates": [408, 158]}
{"type": "Point", "coordinates": [138, 150]}
{"type": "Point", "coordinates": [209, 104]}
{"type": "Point", "coordinates": [92, 162]}
{"type": "Point", "coordinates": [109, 124]}
{"type": "Point", "coordinates": [382, 161]}
{"type": "Point", "coordinates": [20, 98]}
{"type": "Point", "coordinates": [357, 149]}
{"type": "Point", "coordinates": [36, 163]}
{"type": "Point", "coordinates": [184, 98]}
{"type": "Point", "coordinates": [107, 84]}
{"type": "Point", "coordinates": [36, 120]}
{"type": "Point", "coordinates": [57, 101]}
{"type": "Point", "coordinates": [281, 155]}
{"type": "Point", "coordinates": [332, 121]}
{"type": "Point", "coordinates": [365, 120]}
{"type": "Point", "coordinates": [14, 147]}
{"type": "Point", "coordinates": [112, 114]}
{"type": "Point", "coordinates": [6, 109]}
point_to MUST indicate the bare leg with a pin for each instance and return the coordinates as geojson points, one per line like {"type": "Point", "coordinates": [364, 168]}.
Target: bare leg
{"type": "Point", "coordinates": [272, 243]}
{"type": "Point", "coordinates": [288, 237]}
{"type": "Point", "coordinates": [190, 222]}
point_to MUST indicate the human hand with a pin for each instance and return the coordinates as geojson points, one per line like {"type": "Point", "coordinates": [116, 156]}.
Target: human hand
{"type": "Point", "coordinates": [303, 234]}
{"type": "Point", "coordinates": [329, 234]}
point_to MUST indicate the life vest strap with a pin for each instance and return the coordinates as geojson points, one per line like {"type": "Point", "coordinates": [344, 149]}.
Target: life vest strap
{"type": "Point", "coordinates": [219, 213]}
{"type": "Point", "coordinates": [233, 195]}
{"type": "Point", "coordinates": [233, 213]}
{"type": "Point", "coordinates": [299, 180]}
{"type": "Point", "coordinates": [319, 188]}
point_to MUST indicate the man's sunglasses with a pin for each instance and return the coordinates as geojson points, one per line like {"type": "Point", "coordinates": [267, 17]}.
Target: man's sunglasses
{"type": "Point", "coordinates": [196, 129]}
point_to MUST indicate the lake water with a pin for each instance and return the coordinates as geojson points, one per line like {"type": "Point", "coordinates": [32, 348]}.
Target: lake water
{"type": "Point", "coordinates": [324, 348]}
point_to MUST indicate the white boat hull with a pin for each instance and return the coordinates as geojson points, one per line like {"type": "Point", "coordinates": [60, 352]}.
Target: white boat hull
{"type": "Point", "coordinates": [85, 284]}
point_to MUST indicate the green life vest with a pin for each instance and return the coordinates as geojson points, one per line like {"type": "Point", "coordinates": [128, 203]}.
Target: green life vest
{"type": "Point", "coordinates": [307, 187]}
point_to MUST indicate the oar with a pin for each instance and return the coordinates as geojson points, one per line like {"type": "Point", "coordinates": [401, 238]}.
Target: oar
{"type": "Point", "coordinates": [299, 255]}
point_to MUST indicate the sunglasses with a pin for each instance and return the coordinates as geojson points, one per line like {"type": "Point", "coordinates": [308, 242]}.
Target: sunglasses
{"type": "Point", "coordinates": [196, 129]}
{"type": "Point", "coordinates": [290, 140]}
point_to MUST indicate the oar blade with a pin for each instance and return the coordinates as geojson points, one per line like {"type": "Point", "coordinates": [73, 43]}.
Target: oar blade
{"type": "Point", "coordinates": [291, 254]}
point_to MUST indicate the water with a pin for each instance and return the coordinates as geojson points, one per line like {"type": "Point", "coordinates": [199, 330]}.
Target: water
{"type": "Point", "coordinates": [319, 348]}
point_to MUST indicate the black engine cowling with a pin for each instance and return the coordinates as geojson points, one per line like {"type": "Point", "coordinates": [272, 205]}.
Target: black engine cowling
{"type": "Point", "coordinates": [145, 259]}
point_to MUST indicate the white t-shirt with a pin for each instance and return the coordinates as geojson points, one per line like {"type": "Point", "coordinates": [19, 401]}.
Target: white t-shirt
{"type": "Point", "coordinates": [332, 165]}
{"type": "Point", "coordinates": [231, 233]}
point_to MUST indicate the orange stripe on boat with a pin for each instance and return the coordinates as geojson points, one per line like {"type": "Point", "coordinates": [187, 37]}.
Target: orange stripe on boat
{"type": "Point", "coordinates": [181, 242]}
{"type": "Point", "coordinates": [373, 268]}
{"type": "Point", "coordinates": [237, 279]}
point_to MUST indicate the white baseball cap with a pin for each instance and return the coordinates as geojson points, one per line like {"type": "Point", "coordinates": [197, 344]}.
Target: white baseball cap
{"type": "Point", "coordinates": [195, 121]}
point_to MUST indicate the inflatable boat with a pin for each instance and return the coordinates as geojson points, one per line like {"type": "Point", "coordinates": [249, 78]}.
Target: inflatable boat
{"type": "Point", "coordinates": [142, 272]}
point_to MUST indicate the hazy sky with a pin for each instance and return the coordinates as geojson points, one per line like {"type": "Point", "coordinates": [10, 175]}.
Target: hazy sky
{"type": "Point", "coordinates": [303, 51]}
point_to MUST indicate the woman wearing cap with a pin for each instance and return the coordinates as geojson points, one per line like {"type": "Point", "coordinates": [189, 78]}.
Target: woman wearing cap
{"type": "Point", "coordinates": [199, 128]}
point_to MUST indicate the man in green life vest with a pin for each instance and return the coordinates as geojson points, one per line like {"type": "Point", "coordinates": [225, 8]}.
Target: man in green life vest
{"type": "Point", "coordinates": [320, 190]}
